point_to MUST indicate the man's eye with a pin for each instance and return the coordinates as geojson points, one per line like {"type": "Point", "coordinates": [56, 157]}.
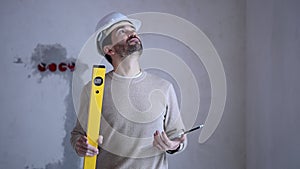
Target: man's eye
{"type": "Point", "coordinates": [121, 31]}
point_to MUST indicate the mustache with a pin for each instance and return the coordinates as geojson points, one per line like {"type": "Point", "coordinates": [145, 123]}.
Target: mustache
{"type": "Point", "coordinates": [131, 37]}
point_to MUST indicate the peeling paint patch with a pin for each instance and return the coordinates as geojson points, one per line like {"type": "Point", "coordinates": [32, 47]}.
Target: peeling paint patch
{"type": "Point", "coordinates": [49, 54]}
{"type": "Point", "coordinates": [18, 60]}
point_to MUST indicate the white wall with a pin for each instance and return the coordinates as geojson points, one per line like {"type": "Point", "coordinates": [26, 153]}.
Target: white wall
{"type": "Point", "coordinates": [273, 66]}
{"type": "Point", "coordinates": [36, 108]}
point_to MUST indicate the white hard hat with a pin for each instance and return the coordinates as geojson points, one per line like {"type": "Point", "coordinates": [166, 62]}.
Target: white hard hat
{"type": "Point", "coordinates": [106, 25]}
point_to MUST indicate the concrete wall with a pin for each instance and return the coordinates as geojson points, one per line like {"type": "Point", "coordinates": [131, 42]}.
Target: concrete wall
{"type": "Point", "coordinates": [37, 109]}
{"type": "Point", "coordinates": [273, 66]}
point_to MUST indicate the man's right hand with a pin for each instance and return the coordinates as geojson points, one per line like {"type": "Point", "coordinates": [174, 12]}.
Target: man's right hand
{"type": "Point", "coordinates": [83, 148]}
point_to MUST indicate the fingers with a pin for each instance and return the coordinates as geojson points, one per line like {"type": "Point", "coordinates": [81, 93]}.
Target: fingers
{"type": "Point", "coordinates": [166, 140]}
{"type": "Point", "coordinates": [163, 143]}
{"type": "Point", "coordinates": [182, 139]}
{"type": "Point", "coordinates": [158, 143]}
{"type": "Point", "coordinates": [91, 151]}
{"type": "Point", "coordinates": [83, 148]}
{"type": "Point", "coordinates": [100, 139]}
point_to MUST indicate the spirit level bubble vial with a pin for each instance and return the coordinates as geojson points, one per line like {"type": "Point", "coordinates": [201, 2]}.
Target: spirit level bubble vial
{"type": "Point", "coordinates": [95, 109]}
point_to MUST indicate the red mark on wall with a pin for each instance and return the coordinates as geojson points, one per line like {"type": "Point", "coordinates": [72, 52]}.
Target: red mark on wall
{"type": "Point", "coordinates": [52, 67]}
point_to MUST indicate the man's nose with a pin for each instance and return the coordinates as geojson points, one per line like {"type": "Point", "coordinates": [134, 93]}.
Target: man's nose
{"type": "Point", "coordinates": [131, 33]}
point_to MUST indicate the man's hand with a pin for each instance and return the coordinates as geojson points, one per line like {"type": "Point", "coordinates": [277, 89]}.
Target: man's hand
{"type": "Point", "coordinates": [163, 143]}
{"type": "Point", "coordinates": [83, 148]}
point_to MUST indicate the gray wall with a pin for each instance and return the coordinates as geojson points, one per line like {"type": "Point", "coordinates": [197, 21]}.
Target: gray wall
{"type": "Point", "coordinates": [273, 66]}
{"type": "Point", "coordinates": [37, 109]}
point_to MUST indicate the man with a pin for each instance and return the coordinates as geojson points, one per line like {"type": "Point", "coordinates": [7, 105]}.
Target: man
{"type": "Point", "coordinates": [140, 112]}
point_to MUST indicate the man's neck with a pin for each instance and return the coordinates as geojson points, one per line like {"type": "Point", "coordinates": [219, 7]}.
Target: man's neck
{"type": "Point", "coordinates": [128, 67]}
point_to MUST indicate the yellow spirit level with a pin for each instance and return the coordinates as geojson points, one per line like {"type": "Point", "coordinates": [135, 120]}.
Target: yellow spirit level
{"type": "Point", "coordinates": [95, 109]}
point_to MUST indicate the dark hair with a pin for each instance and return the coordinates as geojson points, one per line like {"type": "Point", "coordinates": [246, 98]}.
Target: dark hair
{"type": "Point", "coordinates": [107, 41]}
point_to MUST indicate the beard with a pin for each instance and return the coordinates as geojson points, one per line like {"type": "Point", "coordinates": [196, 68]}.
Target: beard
{"type": "Point", "coordinates": [126, 47]}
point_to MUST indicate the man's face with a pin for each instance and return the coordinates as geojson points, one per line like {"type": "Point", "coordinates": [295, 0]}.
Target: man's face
{"type": "Point", "coordinates": [125, 41]}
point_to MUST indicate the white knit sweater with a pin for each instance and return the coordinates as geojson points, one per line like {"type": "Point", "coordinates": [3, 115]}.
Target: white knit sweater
{"type": "Point", "coordinates": [133, 109]}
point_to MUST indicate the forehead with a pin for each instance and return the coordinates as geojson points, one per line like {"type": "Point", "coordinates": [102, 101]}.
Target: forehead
{"type": "Point", "coordinates": [116, 25]}
{"type": "Point", "coordinates": [126, 25]}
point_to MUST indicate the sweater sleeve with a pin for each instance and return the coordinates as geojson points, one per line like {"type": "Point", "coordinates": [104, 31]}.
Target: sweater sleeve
{"type": "Point", "coordinates": [173, 122]}
{"type": "Point", "coordinates": [81, 124]}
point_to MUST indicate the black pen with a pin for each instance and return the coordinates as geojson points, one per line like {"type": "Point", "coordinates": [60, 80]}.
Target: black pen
{"type": "Point", "coordinates": [179, 135]}
{"type": "Point", "coordinates": [193, 129]}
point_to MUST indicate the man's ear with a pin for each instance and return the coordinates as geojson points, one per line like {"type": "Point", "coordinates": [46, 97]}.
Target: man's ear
{"type": "Point", "coordinates": [108, 50]}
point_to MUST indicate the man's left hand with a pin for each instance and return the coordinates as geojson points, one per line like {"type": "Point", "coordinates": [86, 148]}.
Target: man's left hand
{"type": "Point", "coordinates": [163, 143]}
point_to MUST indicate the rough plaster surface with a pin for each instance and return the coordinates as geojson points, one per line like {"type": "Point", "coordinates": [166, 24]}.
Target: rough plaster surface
{"type": "Point", "coordinates": [56, 53]}
{"type": "Point", "coordinates": [36, 116]}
